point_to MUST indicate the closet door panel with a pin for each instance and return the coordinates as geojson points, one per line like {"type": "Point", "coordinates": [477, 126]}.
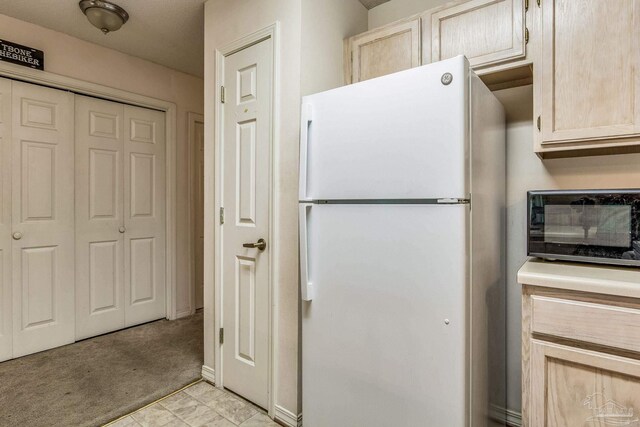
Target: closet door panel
{"type": "Point", "coordinates": [6, 334]}
{"type": "Point", "coordinates": [99, 217]}
{"type": "Point", "coordinates": [42, 218]}
{"type": "Point", "coordinates": [144, 210]}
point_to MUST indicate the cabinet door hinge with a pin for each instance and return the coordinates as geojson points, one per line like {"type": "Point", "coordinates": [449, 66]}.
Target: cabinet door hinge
{"type": "Point", "coordinates": [222, 95]}
{"type": "Point", "coordinates": [526, 5]}
{"type": "Point", "coordinates": [221, 335]}
{"type": "Point", "coordinates": [526, 35]}
{"type": "Point", "coordinates": [538, 123]}
{"type": "Point", "coordinates": [221, 216]}
{"type": "Point", "coordinates": [538, 1]}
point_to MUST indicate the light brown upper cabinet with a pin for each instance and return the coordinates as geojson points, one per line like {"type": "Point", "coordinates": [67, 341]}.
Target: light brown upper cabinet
{"type": "Point", "coordinates": [488, 32]}
{"type": "Point", "coordinates": [385, 50]}
{"type": "Point", "coordinates": [587, 97]}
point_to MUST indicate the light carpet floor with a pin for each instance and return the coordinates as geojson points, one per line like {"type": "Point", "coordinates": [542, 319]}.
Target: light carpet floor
{"type": "Point", "coordinates": [92, 382]}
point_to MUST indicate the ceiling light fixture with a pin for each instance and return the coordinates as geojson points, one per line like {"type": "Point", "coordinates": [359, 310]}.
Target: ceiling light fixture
{"type": "Point", "coordinates": [104, 15]}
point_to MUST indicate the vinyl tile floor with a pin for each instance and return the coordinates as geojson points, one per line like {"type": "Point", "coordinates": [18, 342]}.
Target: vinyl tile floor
{"type": "Point", "coordinates": [198, 405]}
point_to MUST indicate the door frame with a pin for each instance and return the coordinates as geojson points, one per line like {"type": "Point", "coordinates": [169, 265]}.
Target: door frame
{"type": "Point", "coordinates": [192, 119]}
{"type": "Point", "coordinates": [270, 32]}
{"type": "Point", "coordinates": [80, 87]}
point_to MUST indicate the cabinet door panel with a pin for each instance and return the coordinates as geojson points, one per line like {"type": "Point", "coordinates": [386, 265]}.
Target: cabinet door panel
{"type": "Point", "coordinates": [386, 50]}
{"type": "Point", "coordinates": [485, 31]}
{"type": "Point", "coordinates": [589, 70]}
{"type": "Point", "coordinates": [576, 387]}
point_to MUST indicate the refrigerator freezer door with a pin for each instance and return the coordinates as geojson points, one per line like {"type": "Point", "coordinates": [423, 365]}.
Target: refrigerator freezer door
{"type": "Point", "coordinates": [401, 136]}
{"type": "Point", "coordinates": [384, 336]}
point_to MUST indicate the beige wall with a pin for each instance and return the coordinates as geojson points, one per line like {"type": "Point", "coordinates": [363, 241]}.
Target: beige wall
{"type": "Point", "coordinates": [72, 57]}
{"type": "Point", "coordinates": [325, 25]}
{"type": "Point", "coordinates": [525, 171]}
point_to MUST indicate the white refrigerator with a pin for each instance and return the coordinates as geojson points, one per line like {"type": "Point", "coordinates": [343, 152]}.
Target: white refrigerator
{"type": "Point", "coordinates": [401, 215]}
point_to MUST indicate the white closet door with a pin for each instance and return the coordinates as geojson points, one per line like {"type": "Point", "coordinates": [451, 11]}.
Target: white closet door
{"type": "Point", "coordinates": [144, 210]}
{"type": "Point", "coordinates": [99, 217]}
{"type": "Point", "coordinates": [6, 336]}
{"type": "Point", "coordinates": [42, 218]}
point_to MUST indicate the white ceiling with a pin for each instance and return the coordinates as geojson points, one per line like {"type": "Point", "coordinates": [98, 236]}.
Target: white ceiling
{"type": "Point", "coordinates": [167, 32]}
{"type": "Point", "coordinates": [370, 4]}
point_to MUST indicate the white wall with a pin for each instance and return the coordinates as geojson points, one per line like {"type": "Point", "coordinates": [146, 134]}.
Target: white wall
{"type": "Point", "coordinates": [398, 9]}
{"type": "Point", "coordinates": [525, 171]}
{"type": "Point", "coordinates": [325, 25]}
{"type": "Point", "coordinates": [72, 57]}
{"type": "Point", "coordinates": [318, 67]}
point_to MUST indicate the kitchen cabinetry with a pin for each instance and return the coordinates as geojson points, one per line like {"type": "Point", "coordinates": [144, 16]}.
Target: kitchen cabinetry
{"type": "Point", "coordinates": [385, 50]}
{"type": "Point", "coordinates": [580, 344]}
{"type": "Point", "coordinates": [491, 33]}
{"type": "Point", "coordinates": [488, 32]}
{"type": "Point", "coordinates": [588, 99]}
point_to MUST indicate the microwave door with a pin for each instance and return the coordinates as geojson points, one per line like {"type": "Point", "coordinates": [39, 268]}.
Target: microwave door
{"type": "Point", "coordinates": [599, 226]}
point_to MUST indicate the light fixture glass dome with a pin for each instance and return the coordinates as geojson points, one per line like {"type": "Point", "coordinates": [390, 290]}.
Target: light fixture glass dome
{"type": "Point", "coordinates": [104, 15]}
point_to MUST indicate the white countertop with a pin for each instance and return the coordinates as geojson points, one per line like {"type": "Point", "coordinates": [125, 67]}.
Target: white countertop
{"type": "Point", "coordinates": [601, 279]}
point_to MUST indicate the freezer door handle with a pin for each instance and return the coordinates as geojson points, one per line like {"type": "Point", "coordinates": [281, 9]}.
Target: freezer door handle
{"type": "Point", "coordinates": [305, 126]}
{"type": "Point", "coordinates": [306, 287]}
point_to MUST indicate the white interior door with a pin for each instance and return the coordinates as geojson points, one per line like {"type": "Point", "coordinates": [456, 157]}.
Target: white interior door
{"type": "Point", "coordinates": [144, 215]}
{"type": "Point", "coordinates": [6, 335]}
{"type": "Point", "coordinates": [42, 218]}
{"type": "Point", "coordinates": [246, 176]}
{"type": "Point", "coordinates": [198, 205]}
{"type": "Point", "coordinates": [99, 216]}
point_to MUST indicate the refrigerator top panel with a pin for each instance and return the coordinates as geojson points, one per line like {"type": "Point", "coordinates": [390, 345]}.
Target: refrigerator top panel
{"type": "Point", "coordinates": [401, 136]}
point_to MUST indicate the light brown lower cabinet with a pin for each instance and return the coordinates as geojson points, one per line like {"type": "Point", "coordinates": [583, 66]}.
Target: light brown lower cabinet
{"type": "Point", "coordinates": [581, 358]}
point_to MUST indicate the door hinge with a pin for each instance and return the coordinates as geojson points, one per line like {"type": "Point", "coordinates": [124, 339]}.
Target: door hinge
{"type": "Point", "coordinates": [221, 216]}
{"type": "Point", "coordinates": [526, 5]}
{"type": "Point", "coordinates": [222, 94]}
{"type": "Point", "coordinates": [538, 123]}
{"type": "Point", "coordinates": [538, 1]}
{"type": "Point", "coordinates": [221, 335]}
{"type": "Point", "coordinates": [526, 35]}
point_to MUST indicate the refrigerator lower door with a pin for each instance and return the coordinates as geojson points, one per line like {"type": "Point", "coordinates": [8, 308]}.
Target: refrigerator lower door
{"type": "Point", "coordinates": [384, 335]}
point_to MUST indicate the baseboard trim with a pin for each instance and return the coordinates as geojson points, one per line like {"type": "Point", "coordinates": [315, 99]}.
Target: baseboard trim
{"type": "Point", "coordinates": [506, 416]}
{"type": "Point", "coordinates": [184, 313]}
{"type": "Point", "coordinates": [514, 418]}
{"type": "Point", "coordinates": [287, 418]}
{"type": "Point", "coordinates": [208, 374]}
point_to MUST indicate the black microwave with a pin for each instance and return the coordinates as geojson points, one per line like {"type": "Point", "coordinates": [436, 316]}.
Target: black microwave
{"type": "Point", "coordinates": [601, 226]}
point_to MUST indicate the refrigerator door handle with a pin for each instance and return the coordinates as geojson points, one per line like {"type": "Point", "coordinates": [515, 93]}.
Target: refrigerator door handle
{"type": "Point", "coordinates": [306, 117]}
{"type": "Point", "coordinates": [306, 287]}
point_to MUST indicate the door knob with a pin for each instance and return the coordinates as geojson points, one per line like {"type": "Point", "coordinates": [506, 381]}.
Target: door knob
{"type": "Point", "coordinates": [122, 229]}
{"type": "Point", "coordinates": [261, 244]}
{"type": "Point", "coordinates": [17, 235]}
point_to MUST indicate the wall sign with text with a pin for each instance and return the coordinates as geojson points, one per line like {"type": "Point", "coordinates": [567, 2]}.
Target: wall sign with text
{"type": "Point", "coordinates": [21, 55]}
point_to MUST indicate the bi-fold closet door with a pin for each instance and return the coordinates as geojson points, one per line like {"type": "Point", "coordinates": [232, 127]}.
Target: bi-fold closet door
{"type": "Point", "coordinates": [6, 330]}
{"type": "Point", "coordinates": [120, 238]}
{"type": "Point", "coordinates": [82, 217]}
{"type": "Point", "coordinates": [36, 209]}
